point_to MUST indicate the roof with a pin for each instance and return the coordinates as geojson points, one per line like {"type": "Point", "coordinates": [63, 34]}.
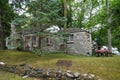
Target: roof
{"type": "Point", "coordinates": [69, 30]}
{"type": "Point", "coordinates": [72, 30]}
{"type": "Point", "coordinates": [25, 32]}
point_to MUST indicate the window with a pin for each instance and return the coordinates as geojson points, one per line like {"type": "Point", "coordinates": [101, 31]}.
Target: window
{"type": "Point", "coordinates": [34, 39]}
{"type": "Point", "coordinates": [34, 42]}
{"type": "Point", "coordinates": [71, 39]}
{"type": "Point", "coordinates": [48, 41]}
{"type": "Point", "coordinates": [27, 41]}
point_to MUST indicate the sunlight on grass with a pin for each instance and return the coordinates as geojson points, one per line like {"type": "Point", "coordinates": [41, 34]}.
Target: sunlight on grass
{"type": "Point", "coordinates": [108, 68]}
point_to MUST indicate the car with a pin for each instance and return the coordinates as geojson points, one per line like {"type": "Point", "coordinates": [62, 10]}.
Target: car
{"type": "Point", "coordinates": [114, 50]}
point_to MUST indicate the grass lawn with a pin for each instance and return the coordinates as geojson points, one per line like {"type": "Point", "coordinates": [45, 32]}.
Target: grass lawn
{"type": "Point", "coordinates": [107, 68]}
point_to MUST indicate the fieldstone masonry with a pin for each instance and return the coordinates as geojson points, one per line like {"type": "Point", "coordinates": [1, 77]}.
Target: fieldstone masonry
{"type": "Point", "coordinates": [78, 42]}
{"type": "Point", "coordinates": [26, 70]}
{"type": "Point", "coordinates": [82, 43]}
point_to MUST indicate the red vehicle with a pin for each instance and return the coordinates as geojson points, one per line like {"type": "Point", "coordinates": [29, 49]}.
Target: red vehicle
{"type": "Point", "coordinates": [103, 53]}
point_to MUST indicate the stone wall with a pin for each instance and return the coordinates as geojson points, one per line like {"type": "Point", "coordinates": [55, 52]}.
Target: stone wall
{"type": "Point", "coordinates": [52, 46]}
{"type": "Point", "coordinates": [82, 43]}
{"type": "Point", "coordinates": [26, 70]}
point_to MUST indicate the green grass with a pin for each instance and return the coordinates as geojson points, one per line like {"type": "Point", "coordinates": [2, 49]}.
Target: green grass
{"type": "Point", "coordinates": [10, 76]}
{"type": "Point", "coordinates": [107, 68]}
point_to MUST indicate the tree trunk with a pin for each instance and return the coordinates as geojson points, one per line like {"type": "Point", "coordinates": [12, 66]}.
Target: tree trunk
{"type": "Point", "coordinates": [2, 41]}
{"type": "Point", "coordinates": [108, 26]}
{"type": "Point", "coordinates": [65, 26]}
{"type": "Point", "coordinates": [109, 39]}
{"type": "Point", "coordinates": [65, 14]}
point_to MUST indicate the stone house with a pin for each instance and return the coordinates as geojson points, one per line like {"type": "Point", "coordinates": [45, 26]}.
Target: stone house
{"type": "Point", "coordinates": [78, 42]}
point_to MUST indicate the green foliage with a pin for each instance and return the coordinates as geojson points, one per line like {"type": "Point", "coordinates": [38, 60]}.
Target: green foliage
{"type": "Point", "coordinates": [78, 14]}
{"type": "Point", "coordinates": [115, 19]}
{"type": "Point", "coordinates": [40, 17]}
{"type": "Point", "coordinates": [21, 23]}
{"type": "Point", "coordinates": [100, 36]}
{"type": "Point", "coordinates": [38, 52]}
{"type": "Point", "coordinates": [100, 18]}
{"type": "Point", "coordinates": [115, 11]}
{"type": "Point", "coordinates": [12, 43]}
{"type": "Point", "coordinates": [116, 37]}
{"type": "Point", "coordinates": [6, 16]}
{"type": "Point", "coordinates": [45, 13]}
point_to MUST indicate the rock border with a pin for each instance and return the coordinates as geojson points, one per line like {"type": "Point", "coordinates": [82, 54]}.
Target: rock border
{"type": "Point", "coordinates": [25, 70]}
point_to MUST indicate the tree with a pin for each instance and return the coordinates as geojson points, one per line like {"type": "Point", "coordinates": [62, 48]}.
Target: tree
{"type": "Point", "coordinates": [78, 14]}
{"type": "Point", "coordinates": [44, 14]}
{"type": "Point", "coordinates": [115, 12]}
{"type": "Point", "coordinates": [69, 13]}
{"type": "Point", "coordinates": [6, 15]}
{"type": "Point", "coordinates": [108, 26]}
{"type": "Point", "coordinates": [65, 14]}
